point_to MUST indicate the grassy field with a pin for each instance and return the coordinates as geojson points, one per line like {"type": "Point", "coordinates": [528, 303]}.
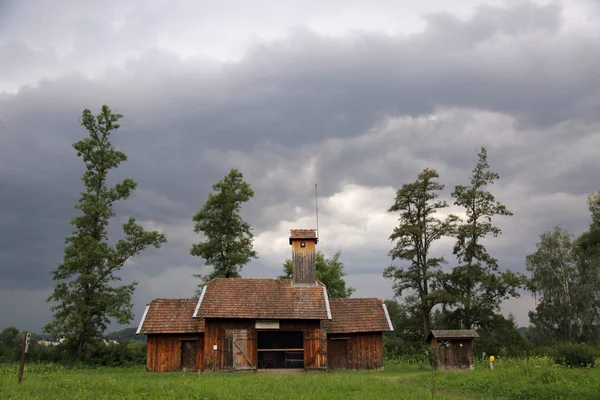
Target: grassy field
{"type": "Point", "coordinates": [512, 379]}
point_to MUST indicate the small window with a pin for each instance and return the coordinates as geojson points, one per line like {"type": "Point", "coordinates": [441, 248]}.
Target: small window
{"type": "Point", "coordinates": [302, 244]}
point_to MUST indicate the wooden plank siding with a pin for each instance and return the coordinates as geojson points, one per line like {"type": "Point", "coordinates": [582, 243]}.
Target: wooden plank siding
{"type": "Point", "coordinates": [303, 260]}
{"type": "Point", "coordinates": [220, 332]}
{"type": "Point", "coordinates": [163, 352]}
{"type": "Point", "coordinates": [355, 351]}
{"type": "Point", "coordinates": [315, 349]}
{"type": "Point", "coordinates": [453, 354]}
{"type": "Point", "coordinates": [244, 349]}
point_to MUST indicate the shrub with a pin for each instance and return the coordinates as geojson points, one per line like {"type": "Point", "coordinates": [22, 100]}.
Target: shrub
{"type": "Point", "coordinates": [575, 355]}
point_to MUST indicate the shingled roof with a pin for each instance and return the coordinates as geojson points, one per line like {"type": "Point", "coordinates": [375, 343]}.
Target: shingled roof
{"type": "Point", "coordinates": [358, 315]}
{"type": "Point", "coordinates": [303, 234]}
{"type": "Point", "coordinates": [262, 299]}
{"type": "Point", "coordinates": [453, 334]}
{"type": "Point", "coordinates": [170, 316]}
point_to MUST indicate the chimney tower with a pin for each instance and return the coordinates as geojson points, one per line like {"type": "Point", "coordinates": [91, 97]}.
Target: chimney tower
{"type": "Point", "coordinates": [304, 270]}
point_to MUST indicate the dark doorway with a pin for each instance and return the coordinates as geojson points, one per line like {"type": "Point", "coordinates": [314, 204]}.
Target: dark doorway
{"type": "Point", "coordinates": [280, 349]}
{"type": "Point", "coordinates": [188, 355]}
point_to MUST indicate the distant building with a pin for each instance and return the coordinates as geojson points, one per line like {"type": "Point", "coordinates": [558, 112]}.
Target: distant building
{"type": "Point", "coordinates": [258, 324]}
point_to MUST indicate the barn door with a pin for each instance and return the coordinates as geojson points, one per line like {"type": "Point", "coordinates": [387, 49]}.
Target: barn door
{"type": "Point", "coordinates": [188, 355]}
{"type": "Point", "coordinates": [244, 349]}
{"type": "Point", "coordinates": [337, 353]}
{"type": "Point", "coordinates": [315, 349]}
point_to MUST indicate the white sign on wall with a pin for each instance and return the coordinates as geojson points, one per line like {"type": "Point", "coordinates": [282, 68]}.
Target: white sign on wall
{"type": "Point", "coordinates": [267, 324]}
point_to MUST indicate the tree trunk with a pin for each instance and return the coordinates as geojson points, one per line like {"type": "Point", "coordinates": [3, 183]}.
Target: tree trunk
{"type": "Point", "coordinates": [80, 348]}
{"type": "Point", "coordinates": [425, 315]}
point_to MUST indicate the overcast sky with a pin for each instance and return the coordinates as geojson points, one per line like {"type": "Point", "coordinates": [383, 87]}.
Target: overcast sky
{"type": "Point", "coordinates": [358, 96]}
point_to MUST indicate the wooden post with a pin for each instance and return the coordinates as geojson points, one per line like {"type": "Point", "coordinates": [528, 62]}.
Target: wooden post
{"type": "Point", "coordinates": [25, 348]}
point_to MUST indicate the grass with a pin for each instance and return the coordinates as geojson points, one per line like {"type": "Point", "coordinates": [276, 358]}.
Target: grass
{"type": "Point", "coordinates": [534, 378]}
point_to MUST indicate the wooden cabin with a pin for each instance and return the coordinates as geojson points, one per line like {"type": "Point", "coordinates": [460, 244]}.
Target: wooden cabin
{"type": "Point", "coordinates": [453, 349]}
{"type": "Point", "coordinates": [258, 324]}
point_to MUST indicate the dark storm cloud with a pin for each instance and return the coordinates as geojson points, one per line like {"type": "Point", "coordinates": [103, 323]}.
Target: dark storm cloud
{"type": "Point", "coordinates": [300, 110]}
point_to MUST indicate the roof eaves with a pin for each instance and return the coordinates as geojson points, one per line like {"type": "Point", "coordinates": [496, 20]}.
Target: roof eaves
{"type": "Point", "coordinates": [387, 316]}
{"type": "Point", "coordinates": [199, 302]}
{"type": "Point", "coordinates": [139, 329]}
{"type": "Point", "coordinates": [327, 303]}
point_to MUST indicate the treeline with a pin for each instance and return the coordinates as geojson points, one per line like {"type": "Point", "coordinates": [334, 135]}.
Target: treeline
{"type": "Point", "coordinates": [564, 274]}
{"type": "Point", "coordinates": [101, 352]}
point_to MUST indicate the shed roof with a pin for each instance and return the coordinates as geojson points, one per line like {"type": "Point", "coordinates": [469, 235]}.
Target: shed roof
{"type": "Point", "coordinates": [170, 316]}
{"type": "Point", "coordinates": [358, 315]}
{"type": "Point", "coordinates": [303, 234]}
{"type": "Point", "coordinates": [453, 334]}
{"type": "Point", "coordinates": [262, 298]}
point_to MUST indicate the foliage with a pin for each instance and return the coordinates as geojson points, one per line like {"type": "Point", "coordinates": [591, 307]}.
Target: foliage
{"type": "Point", "coordinates": [126, 334]}
{"type": "Point", "coordinates": [228, 238]}
{"type": "Point", "coordinates": [126, 353]}
{"type": "Point", "coordinates": [565, 277]}
{"type": "Point", "coordinates": [85, 296]}
{"type": "Point", "coordinates": [587, 252]}
{"type": "Point", "coordinates": [330, 271]}
{"type": "Point", "coordinates": [418, 229]}
{"type": "Point", "coordinates": [123, 353]}
{"type": "Point", "coordinates": [406, 339]}
{"type": "Point", "coordinates": [576, 355]}
{"type": "Point", "coordinates": [553, 269]}
{"type": "Point", "coordinates": [501, 337]}
{"type": "Point", "coordinates": [476, 286]}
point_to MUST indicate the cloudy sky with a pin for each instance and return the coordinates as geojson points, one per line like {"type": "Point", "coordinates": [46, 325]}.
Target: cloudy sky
{"type": "Point", "coordinates": [358, 96]}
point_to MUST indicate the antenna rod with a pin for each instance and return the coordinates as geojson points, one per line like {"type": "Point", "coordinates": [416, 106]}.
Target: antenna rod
{"type": "Point", "coordinates": [317, 207]}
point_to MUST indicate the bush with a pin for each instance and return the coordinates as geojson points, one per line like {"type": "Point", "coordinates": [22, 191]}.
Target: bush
{"type": "Point", "coordinates": [576, 355]}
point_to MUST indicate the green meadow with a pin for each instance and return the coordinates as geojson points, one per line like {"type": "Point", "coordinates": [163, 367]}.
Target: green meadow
{"type": "Point", "coordinates": [533, 378]}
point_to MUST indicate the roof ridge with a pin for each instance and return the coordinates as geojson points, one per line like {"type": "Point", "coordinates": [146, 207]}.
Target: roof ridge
{"type": "Point", "coordinates": [174, 298]}
{"type": "Point", "coordinates": [357, 298]}
{"type": "Point", "coordinates": [262, 279]}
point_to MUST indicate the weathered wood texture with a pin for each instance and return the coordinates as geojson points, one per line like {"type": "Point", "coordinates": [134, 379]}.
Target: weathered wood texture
{"type": "Point", "coordinates": [355, 351]}
{"type": "Point", "coordinates": [164, 352]}
{"type": "Point", "coordinates": [315, 349]}
{"type": "Point", "coordinates": [220, 332]}
{"type": "Point", "coordinates": [303, 261]}
{"type": "Point", "coordinates": [244, 349]}
{"type": "Point", "coordinates": [453, 354]}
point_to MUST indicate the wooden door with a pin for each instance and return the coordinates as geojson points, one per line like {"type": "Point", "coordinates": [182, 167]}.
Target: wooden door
{"type": "Point", "coordinates": [225, 352]}
{"type": "Point", "coordinates": [244, 349]}
{"type": "Point", "coordinates": [337, 353]}
{"type": "Point", "coordinates": [188, 355]}
{"type": "Point", "coordinates": [315, 349]}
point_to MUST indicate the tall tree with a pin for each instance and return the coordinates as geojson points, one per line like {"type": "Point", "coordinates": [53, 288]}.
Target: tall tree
{"type": "Point", "coordinates": [228, 238]}
{"type": "Point", "coordinates": [330, 271]}
{"type": "Point", "coordinates": [418, 229]}
{"type": "Point", "coordinates": [587, 252]}
{"type": "Point", "coordinates": [553, 269]}
{"type": "Point", "coordinates": [85, 295]}
{"type": "Point", "coordinates": [476, 285]}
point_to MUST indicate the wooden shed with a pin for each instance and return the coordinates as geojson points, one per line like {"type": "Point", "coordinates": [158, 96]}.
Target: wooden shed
{"type": "Point", "coordinates": [355, 334]}
{"type": "Point", "coordinates": [453, 349]}
{"type": "Point", "coordinates": [175, 340]}
{"type": "Point", "coordinates": [257, 324]}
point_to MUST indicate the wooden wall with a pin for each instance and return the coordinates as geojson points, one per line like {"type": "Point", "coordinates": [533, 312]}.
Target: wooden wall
{"type": "Point", "coordinates": [216, 333]}
{"type": "Point", "coordinates": [303, 261]}
{"type": "Point", "coordinates": [355, 351]}
{"type": "Point", "coordinates": [315, 349]}
{"type": "Point", "coordinates": [449, 354]}
{"type": "Point", "coordinates": [163, 352]}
